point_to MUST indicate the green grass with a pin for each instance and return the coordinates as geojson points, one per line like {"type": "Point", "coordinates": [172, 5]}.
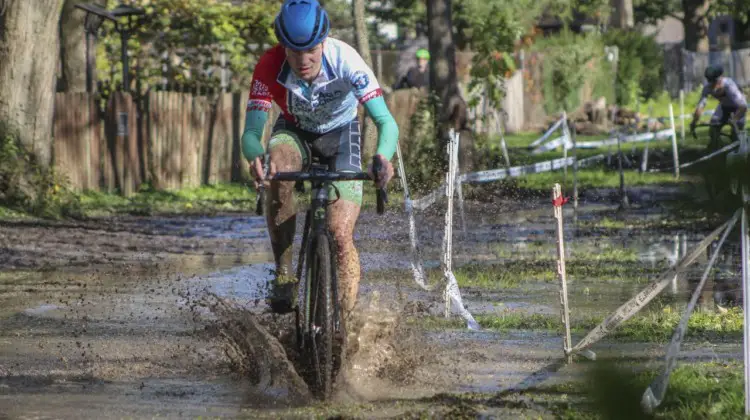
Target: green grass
{"type": "Point", "coordinates": [612, 391]}
{"type": "Point", "coordinates": [709, 390]}
{"type": "Point", "coordinates": [207, 199]}
{"type": "Point", "coordinates": [500, 276]}
{"type": "Point", "coordinates": [704, 391]}
{"type": "Point", "coordinates": [657, 326]}
{"type": "Point", "coordinates": [678, 220]}
{"type": "Point", "coordinates": [607, 262]}
{"type": "Point", "coordinates": [611, 265]}
{"type": "Point", "coordinates": [599, 178]}
{"type": "Point", "coordinates": [594, 177]}
{"type": "Point", "coordinates": [10, 214]}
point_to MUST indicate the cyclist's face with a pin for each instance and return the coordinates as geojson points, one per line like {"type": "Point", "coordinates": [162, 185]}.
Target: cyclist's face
{"type": "Point", "coordinates": [306, 64]}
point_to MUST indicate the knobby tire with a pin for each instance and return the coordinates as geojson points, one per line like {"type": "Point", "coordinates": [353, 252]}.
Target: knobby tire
{"type": "Point", "coordinates": [322, 316]}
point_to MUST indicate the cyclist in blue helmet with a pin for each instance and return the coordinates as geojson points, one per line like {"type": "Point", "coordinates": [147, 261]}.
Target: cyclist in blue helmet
{"type": "Point", "coordinates": [318, 83]}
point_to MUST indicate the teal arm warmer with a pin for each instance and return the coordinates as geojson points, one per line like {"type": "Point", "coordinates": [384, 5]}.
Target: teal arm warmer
{"type": "Point", "coordinates": [255, 121]}
{"type": "Point", "coordinates": [387, 128]}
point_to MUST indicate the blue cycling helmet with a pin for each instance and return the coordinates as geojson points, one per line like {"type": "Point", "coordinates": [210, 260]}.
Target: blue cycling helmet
{"type": "Point", "coordinates": [301, 24]}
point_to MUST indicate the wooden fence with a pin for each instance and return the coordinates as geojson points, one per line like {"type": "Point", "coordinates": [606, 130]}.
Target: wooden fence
{"type": "Point", "coordinates": [172, 140]}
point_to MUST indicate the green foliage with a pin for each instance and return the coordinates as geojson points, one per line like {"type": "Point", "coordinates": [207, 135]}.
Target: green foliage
{"type": "Point", "coordinates": [11, 192]}
{"type": "Point", "coordinates": [640, 67]}
{"type": "Point", "coordinates": [411, 15]}
{"type": "Point", "coordinates": [601, 80]}
{"type": "Point", "coordinates": [494, 29]}
{"type": "Point", "coordinates": [27, 187]}
{"type": "Point", "coordinates": [650, 12]}
{"type": "Point", "coordinates": [193, 33]}
{"type": "Point", "coordinates": [567, 63]}
{"type": "Point", "coordinates": [659, 104]}
{"type": "Point", "coordinates": [407, 14]}
{"type": "Point", "coordinates": [422, 157]}
{"type": "Point", "coordinates": [568, 9]}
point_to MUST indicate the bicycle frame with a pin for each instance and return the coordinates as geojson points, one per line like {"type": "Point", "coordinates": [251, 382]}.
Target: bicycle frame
{"type": "Point", "coordinates": [316, 223]}
{"type": "Point", "coordinates": [316, 220]}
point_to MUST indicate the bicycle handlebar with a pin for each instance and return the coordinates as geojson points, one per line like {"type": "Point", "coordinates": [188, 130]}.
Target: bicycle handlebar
{"type": "Point", "coordinates": [320, 176]}
{"type": "Point", "coordinates": [327, 176]}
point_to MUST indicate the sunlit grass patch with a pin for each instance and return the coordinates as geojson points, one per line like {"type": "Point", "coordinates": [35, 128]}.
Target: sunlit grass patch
{"type": "Point", "coordinates": [655, 326]}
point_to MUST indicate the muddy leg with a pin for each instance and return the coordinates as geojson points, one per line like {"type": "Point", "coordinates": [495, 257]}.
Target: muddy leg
{"type": "Point", "coordinates": [342, 218]}
{"type": "Point", "coordinates": [281, 209]}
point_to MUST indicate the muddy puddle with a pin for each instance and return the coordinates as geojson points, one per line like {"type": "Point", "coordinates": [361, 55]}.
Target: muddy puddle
{"type": "Point", "coordinates": [165, 318]}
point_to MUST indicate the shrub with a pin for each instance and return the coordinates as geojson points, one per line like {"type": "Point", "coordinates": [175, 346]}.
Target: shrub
{"type": "Point", "coordinates": [640, 67]}
{"type": "Point", "coordinates": [567, 65]}
{"type": "Point", "coordinates": [29, 187]}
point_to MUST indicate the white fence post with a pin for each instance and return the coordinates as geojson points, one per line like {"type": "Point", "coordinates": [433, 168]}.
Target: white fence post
{"type": "Point", "coordinates": [417, 267]}
{"type": "Point", "coordinates": [624, 203]}
{"type": "Point", "coordinates": [746, 311]}
{"type": "Point", "coordinates": [558, 201]}
{"type": "Point", "coordinates": [566, 140]}
{"type": "Point", "coordinates": [682, 116]}
{"type": "Point", "coordinates": [675, 154]}
{"type": "Point", "coordinates": [501, 128]}
{"type": "Point", "coordinates": [448, 238]}
{"type": "Point", "coordinates": [644, 163]}
{"type": "Point", "coordinates": [458, 183]}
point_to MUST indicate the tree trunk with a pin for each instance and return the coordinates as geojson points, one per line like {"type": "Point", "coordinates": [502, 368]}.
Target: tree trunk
{"type": "Point", "coordinates": [369, 134]}
{"type": "Point", "coordinates": [452, 110]}
{"type": "Point", "coordinates": [28, 63]}
{"type": "Point", "coordinates": [622, 14]}
{"type": "Point", "coordinates": [741, 32]}
{"type": "Point", "coordinates": [695, 23]}
{"type": "Point", "coordinates": [72, 48]}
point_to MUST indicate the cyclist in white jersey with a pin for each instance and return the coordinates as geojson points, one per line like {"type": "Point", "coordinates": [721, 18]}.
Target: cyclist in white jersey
{"type": "Point", "coordinates": [318, 83]}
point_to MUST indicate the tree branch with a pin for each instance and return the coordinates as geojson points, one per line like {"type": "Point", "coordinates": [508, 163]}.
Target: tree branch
{"type": "Point", "coordinates": [708, 11]}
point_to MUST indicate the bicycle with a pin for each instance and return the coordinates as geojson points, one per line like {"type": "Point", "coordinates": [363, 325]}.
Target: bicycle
{"type": "Point", "coordinates": [321, 333]}
{"type": "Point", "coordinates": [715, 175]}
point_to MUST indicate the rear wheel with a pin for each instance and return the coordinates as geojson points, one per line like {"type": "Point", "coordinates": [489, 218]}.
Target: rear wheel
{"type": "Point", "coordinates": [715, 176]}
{"type": "Point", "coordinates": [322, 317]}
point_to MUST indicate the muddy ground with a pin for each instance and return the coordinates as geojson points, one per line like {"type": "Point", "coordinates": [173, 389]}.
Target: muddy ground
{"type": "Point", "coordinates": [144, 317]}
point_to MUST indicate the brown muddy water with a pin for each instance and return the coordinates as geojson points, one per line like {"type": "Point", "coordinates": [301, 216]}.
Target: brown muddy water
{"type": "Point", "coordinates": [164, 318]}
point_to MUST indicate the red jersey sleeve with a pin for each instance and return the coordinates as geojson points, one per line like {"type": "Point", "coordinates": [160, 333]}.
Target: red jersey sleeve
{"type": "Point", "coordinates": [264, 76]}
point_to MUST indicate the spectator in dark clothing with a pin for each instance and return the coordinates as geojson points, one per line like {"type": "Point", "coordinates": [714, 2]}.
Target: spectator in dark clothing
{"type": "Point", "coordinates": [417, 76]}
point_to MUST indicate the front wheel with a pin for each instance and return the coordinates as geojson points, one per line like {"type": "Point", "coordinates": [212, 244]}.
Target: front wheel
{"type": "Point", "coordinates": [321, 320]}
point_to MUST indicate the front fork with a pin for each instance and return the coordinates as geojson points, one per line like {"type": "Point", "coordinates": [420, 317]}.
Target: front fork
{"type": "Point", "coordinates": [315, 224]}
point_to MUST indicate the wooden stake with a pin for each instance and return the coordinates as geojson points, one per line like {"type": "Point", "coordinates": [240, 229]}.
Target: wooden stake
{"type": "Point", "coordinates": [557, 200]}
{"type": "Point", "coordinates": [675, 154]}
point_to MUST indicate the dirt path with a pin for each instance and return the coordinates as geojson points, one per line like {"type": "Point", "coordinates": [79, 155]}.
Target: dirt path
{"type": "Point", "coordinates": [100, 319]}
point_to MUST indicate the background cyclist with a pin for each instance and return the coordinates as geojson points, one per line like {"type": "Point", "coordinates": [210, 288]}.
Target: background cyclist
{"type": "Point", "coordinates": [732, 103]}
